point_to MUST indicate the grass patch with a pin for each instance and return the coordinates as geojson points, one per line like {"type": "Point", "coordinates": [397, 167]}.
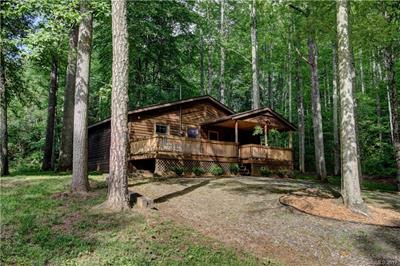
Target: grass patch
{"type": "Point", "coordinates": [41, 225]}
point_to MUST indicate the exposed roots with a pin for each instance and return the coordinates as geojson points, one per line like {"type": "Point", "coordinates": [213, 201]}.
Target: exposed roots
{"type": "Point", "coordinates": [112, 207]}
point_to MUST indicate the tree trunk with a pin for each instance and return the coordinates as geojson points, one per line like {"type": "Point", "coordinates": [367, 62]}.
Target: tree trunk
{"type": "Point", "coordinates": [390, 115]}
{"type": "Point", "coordinates": [351, 191]}
{"type": "Point", "coordinates": [336, 147]}
{"type": "Point", "coordinates": [80, 182]}
{"type": "Point", "coordinates": [118, 197]}
{"type": "Point", "coordinates": [255, 104]}
{"type": "Point", "coordinates": [362, 73]}
{"type": "Point", "coordinates": [222, 33]}
{"type": "Point", "coordinates": [316, 109]}
{"type": "Point", "coordinates": [65, 160]}
{"type": "Point", "coordinates": [209, 69]}
{"type": "Point", "coordinates": [209, 57]}
{"type": "Point", "coordinates": [270, 81]}
{"type": "Point", "coordinates": [353, 75]}
{"type": "Point", "coordinates": [300, 112]}
{"type": "Point", "coordinates": [289, 69]}
{"type": "Point", "coordinates": [3, 119]}
{"type": "Point", "coordinates": [202, 86]}
{"type": "Point", "coordinates": [391, 80]}
{"type": "Point", "coordinates": [51, 114]}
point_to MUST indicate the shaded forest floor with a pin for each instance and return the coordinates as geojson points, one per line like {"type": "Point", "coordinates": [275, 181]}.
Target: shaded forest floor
{"type": "Point", "coordinates": [236, 221]}
{"type": "Point", "coordinates": [244, 212]}
{"type": "Point", "coordinates": [42, 225]}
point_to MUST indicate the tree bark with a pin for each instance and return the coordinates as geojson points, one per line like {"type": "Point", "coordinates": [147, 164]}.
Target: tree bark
{"type": "Point", "coordinates": [222, 33]}
{"type": "Point", "coordinates": [202, 86]}
{"type": "Point", "coordinates": [209, 57]}
{"type": "Point", "coordinates": [255, 104]}
{"type": "Point", "coordinates": [209, 69]}
{"type": "Point", "coordinates": [391, 80]}
{"type": "Point", "coordinates": [351, 191]}
{"type": "Point", "coordinates": [3, 119]}
{"type": "Point", "coordinates": [80, 182]}
{"type": "Point", "coordinates": [65, 160]}
{"type": "Point", "coordinates": [289, 69]}
{"type": "Point", "coordinates": [118, 197]}
{"type": "Point", "coordinates": [362, 73]}
{"type": "Point", "coordinates": [336, 147]}
{"type": "Point", "coordinates": [316, 109]}
{"type": "Point", "coordinates": [51, 114]}
{"type": "Point", "coordinates": [300, 113]}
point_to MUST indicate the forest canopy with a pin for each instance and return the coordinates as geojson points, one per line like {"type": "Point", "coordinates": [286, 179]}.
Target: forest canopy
{"type": "Point", "coordinates": [175, 51]}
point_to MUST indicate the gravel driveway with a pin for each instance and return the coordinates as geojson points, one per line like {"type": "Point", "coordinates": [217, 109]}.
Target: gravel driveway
{"type": "Point", "coordinates": [245, 212]}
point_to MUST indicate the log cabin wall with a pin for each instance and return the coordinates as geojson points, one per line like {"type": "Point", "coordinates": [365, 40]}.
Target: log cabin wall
{"type": "Point", "coordinates": [142, 125]}
{"type": "Point", "coordinates": [99, 139]}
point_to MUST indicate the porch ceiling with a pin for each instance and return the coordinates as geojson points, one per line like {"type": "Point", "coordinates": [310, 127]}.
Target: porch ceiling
{"type": "Point", "coordinates": [243, 124]}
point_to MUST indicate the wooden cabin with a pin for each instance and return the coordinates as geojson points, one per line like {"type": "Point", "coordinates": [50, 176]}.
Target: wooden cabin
{"type": "Point", "coordinates": [195, 132]}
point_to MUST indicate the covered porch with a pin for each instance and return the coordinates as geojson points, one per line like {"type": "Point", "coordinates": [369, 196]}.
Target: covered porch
{"type": "Point", "coordinates": [250, 131]}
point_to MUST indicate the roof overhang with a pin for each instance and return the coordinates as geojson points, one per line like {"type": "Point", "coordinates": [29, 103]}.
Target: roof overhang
{"type": "Point", "coordinates": [171, 104]}
{"type": "Point", "coordinates": [265, 115]}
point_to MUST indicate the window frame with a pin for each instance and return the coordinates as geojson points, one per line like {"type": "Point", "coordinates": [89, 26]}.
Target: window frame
{"type": "Point", "coordinates": [213, 131]}
{"type": "Point", "coordinates": [160, 124]}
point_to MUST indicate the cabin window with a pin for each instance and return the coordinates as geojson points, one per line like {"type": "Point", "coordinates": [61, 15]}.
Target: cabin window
{"type": "Point", "coordinates": [192, 132]}
{"type": "Point", "coordinates": [213, 135]}
{"type": "Point", "coordinates": [162, 129]}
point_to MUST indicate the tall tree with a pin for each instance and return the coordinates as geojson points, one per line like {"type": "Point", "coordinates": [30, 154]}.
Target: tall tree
{"type": "Point", "coordinates": [3, 119]}
{"type": "Point", "coordinates": [118, 197]}
{"type": "Point", "coordinates": [80, 182]}
{"type": "Point", "coordinates": [391, 80]}
{"type": "Point", "coordinates": [65, 160]}
{"type": "Point", "coordinates": [51, 116]}
{"type": "Point", "coordinates": [300, 113]}
{"type": "Point", "coordinates": [222, 34]}
{"type": "Point", "coordinates": [209, 54]}
{"type": "Point", "coordinates": [336, 147]}
{"type": "Point", "coordinates": [289, 70]}
{"type": "Point", "coordinates": [255, 104]}
{"type": "Point", "coordinates": [316, 110]}
{"type": "Point", "coordinates": [350, 190]}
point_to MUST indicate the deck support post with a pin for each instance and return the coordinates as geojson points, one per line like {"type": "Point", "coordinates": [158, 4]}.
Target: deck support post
{"type": "Point", "coordinates": [237, 139]}
{"type": "Point", "coordinates": [266, 135]}
{"type": "Point", "coordinates": [236, 131]}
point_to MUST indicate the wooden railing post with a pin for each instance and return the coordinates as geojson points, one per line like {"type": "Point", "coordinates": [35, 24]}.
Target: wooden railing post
{"type": "Point", "coordinates": [266, 135]}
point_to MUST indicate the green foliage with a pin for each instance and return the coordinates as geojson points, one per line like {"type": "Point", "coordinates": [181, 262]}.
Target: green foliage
{"type": "Point", "coordinates": [283, 173]}
{"type": "Point", "coordinates": [264, 171]}
{"type": "Point", "coordinates": [258, 130]}
{"type": "Point", "coordinates": [178, 170]}
{"type": "Point", "coordinates": [171, 43]}
{"type": "Point", "coordinates": [217, 170]}
{"type": "Point", "coordinates": [198, 171]}
{"type": "Point", "coordinates": [234, 168]}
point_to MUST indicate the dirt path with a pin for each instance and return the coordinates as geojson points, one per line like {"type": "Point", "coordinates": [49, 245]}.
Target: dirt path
{"type": "Point", "coordinates": [245, 212]}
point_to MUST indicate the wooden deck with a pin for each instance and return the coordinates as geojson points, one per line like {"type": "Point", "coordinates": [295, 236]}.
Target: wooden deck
{"type": "Point", "coordinates": [200, 149]}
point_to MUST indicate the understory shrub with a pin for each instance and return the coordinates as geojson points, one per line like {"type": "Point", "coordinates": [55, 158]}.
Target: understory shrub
{"type": "Point", "coordinates": [283, 173]}
{"type": "Point", "coordinates": [265, 171]}
{"type": "Point", "coordinates": [178, 170]}
{"type": "Point", "coordinates": [217, 170]}
{"type": "Point", "coordinates": [198, 171]}
{"type": "Point", "coordinates": [234, 168]}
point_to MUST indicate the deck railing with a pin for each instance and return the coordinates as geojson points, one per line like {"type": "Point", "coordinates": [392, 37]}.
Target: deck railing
{"type": "Point", "coordinates": [199, 147]}
{"type": "Point", "coordinates": [254, 151]}
{"type": "Point", "coordinates": [184, 146]}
